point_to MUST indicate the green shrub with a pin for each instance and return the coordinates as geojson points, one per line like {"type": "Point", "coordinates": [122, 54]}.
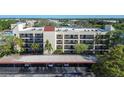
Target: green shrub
{"type": "Point", "coordinates": [58, 51]}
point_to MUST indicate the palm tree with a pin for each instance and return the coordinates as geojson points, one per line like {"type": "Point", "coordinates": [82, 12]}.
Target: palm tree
{"type": "Point", "coordinates": [48, 46]}
{"type": "Point", "coordinates": [35, 46]}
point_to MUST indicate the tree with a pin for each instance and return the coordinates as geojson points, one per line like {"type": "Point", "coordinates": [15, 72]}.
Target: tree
{"type": "Point", "coordinates": [5, 50]}
{"type": "Point", "coordinates": [98, 38]}
{"type": "Point", "coordinates": [35, 46]}
{"type": "Point", "coordinates": [48, 46]}
{"type": "Point", "coordinates": [114, 54]}
{"type": "Point", "coordinates": [18, 43]}
{"type": "Point", "coordinates": [11, 45]}
{"type": "Point", "coordinates": [15, 42]}
{"type": "Point", "coordinates": [111, 63]}
{"type": "Point", "coordinates": [108, 69]}
{"type": "Point", "coordinates": [1, 28]}
{"type": "Point", "coordinates": [119, 26]}
{"type": "Point", "coordinates": [79, 48]}
{"type": "Point", "coordinates": [44, 22]}
{"type": "Point", "coordinates": [115, 37]}
{"type": "Point", "coordinates": [5, 23]}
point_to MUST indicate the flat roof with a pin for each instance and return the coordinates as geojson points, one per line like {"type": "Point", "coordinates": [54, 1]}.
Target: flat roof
{"type": "Point", "coordinates": [52, 28]}
{"type": "Point", "coordinates": [42, 59]}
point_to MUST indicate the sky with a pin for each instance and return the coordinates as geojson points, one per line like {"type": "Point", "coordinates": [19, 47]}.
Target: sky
{"type": "Point", "coordinates": [61, 7]}
{"type": "Point", "coordinates": [62, 16]}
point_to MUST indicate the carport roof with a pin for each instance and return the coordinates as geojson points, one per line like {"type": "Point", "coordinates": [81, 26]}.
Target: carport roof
{"type": "Point", "coordinates": [47, 59]}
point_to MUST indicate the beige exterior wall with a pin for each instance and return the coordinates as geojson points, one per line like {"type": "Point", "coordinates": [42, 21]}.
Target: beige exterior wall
{"type": "Point", "coordinates": [77, 33]}
{"type": "Point", "coordinates": [51, 36]}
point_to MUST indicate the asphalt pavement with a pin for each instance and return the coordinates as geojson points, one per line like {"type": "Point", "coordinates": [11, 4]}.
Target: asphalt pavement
{"type": "Point", "coordinates": [45, 72]}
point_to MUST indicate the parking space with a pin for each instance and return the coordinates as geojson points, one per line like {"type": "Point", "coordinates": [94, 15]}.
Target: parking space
{"type": "Point", "coordinates": [46, 71]}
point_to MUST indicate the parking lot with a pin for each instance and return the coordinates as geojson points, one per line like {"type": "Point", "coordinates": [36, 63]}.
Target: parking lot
{"type": "Point", "coordinates": [46, 71]}
{"type": "Point", "coordinates": [47, 65]}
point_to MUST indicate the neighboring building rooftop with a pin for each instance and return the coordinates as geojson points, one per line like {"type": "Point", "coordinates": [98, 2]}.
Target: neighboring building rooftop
{"type": "Point", "coordinates": [33, 28]}
{"type": "Point", "coordinates": [47, 59]}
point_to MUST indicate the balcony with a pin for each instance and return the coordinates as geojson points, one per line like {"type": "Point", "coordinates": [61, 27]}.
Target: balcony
{"type": "Point", "coordinates": [28, 40]}
{"type": "Point", "coordinates": [71, 36]}
{"type": "Point", "coordinates": [101, 47]}
{"type": "Point", "coordinates": [86, 36]}
{"type": "Point", "coordinates": [90, 47]}
{"type": "Point", "coordinates": [39, 35]}
{"type": "Point", "coordinates": [102, 42]}
{"type": "Point", "coordinates": [59, 46]}
{"type": "Point", "coordinates": [26, 35]}
{"type": "Point", "coordinates": [86, 41]}
{"type": "Point", "coordinates": [71, 42]}
{"type": "Point", "coordinates": [68, 47]}
{"type": "Point", "coordinates": [41, 45]}
{"type": "Point", "coordinates": [69, 51]}
{"type": "Point", "coordinates": [102, 36]}
{"type": "Point", "coordinates": [38, 40]}
{"type": "Point", "coordinates": [59, 37]}
{"type": "Point", "coordinates": [59, 41]}
{"type": "Point", "coordinates": [27, 45]}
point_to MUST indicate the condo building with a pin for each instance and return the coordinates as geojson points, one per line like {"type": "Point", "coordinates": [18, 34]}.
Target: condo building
{"type": "Point", "coordinates": [64, 38]}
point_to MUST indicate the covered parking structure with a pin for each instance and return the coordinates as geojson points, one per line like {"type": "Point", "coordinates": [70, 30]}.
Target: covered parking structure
{"type": "Point", "coordinates": [45, 63]}
{"type": "Point", "coordinates": [56, 60]}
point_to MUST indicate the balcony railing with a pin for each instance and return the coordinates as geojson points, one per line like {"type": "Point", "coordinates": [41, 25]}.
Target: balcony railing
{"type": "Point", "coordinates": [86, 36]}
{"type": "Point", "coordinates": [59, 41]}
{"type": "Point", "coordinates": [86, 41]}
{"type": "Point", "coordinates": [69, 47]}
{"type": "Point", "coordinates": [71, 42]}
{"type": "Point", "coordinates": [59, 46]}
{"type": "Point", "coordinates": [71, 36]}
{"type": "Point", "coordinates": [59, 36]}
